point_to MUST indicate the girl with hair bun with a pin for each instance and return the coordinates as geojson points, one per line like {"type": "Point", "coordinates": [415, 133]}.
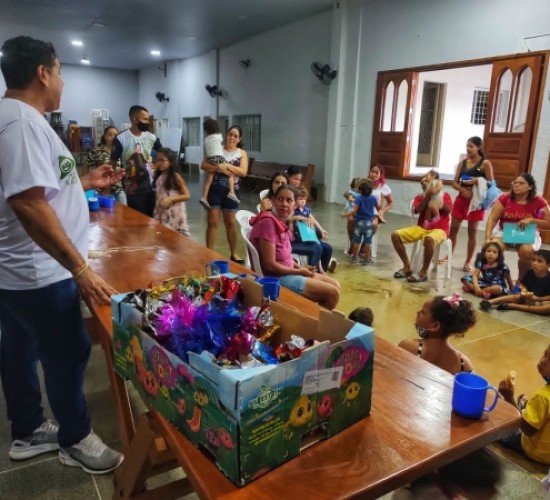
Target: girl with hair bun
{"type": "Point", "coordinates": [440, 318]}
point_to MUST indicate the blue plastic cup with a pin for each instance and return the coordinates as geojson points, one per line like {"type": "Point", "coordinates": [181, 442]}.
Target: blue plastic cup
{"type": "Point", "coordinates": [93, 204]}
{"type": "Point", "coordinates": [271, 287]}
{"type": "Point", "coordinates": [469, 395]}
{"type": "Point", "coordinates": [108, 201]}
{"type": "Point", "coordinates": [217, 267]}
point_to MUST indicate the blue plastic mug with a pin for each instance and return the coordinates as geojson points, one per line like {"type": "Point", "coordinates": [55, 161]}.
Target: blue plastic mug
{"type": "Point", "coordinates": [271, 287]}
{"type": "Point", "coordinates": [93, 204]}
{"type": "Point", "coordinates": [469, 394]}
{"type": "Point", "coordinates": [217, 267]}
{"type": "Point", "coordinates": [107, 201]}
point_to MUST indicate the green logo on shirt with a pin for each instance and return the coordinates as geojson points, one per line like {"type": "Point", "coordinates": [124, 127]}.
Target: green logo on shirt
{"type": "Point", "coordinates": [66, 165]}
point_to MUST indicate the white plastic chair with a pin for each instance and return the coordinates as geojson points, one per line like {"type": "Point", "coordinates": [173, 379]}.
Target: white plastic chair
{"type": "Point", "coordinates": [243, 218]}
{"type": "Point", "coordinates": [263, 194]}
{"type": "Point", "coordinates": [417, 252]}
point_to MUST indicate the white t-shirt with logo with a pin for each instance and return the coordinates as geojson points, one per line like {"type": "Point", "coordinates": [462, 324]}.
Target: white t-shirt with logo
{"type": "Point", "coordinates": [33, 155]}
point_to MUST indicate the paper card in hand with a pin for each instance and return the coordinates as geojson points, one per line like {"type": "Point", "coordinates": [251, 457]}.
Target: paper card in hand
{"type": "Point", "coordinates": [512, 235]}
{"type": "Point", "coordinates": [307, 233]}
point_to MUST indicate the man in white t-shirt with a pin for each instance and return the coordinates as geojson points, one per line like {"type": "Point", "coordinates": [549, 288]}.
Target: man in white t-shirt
{"type": "Point", "coordinates": [43, 270]}
{"type": "Point", "coordinates": [137, 141]}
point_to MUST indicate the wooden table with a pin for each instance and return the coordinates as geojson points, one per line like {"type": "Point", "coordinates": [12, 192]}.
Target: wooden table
{"type": "Point", "coordinates": [410, 432]}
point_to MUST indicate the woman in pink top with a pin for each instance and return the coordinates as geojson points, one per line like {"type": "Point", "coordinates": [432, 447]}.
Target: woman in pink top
{"type": "Point", "coordinates": [522, 206]}
{"type": "Point", "coordinates": [270, 235]}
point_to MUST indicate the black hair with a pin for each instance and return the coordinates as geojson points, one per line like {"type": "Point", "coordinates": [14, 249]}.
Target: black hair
{"type": "Point", "coordinates": [136, 109]}
{"type": "Point", "coordinates": [477, 142]}
{"type": "Point", "coordinates": [453, 320]}
{"type": "Point", "coordinates": [365, 187]}
{"type": "Point", "coordinates": [532, 184]}
{"type": "Point", "coordinates": [172, 173]}
{"type": "Point", "coordinates": [500, 258]}
{"type": "Point", "coordinates": [210, 126]}
{"type": "Point", "coordinates": [362, 315]}
{"type": "Point", "coordinates": [102, 140]}
{"type": "Point", "coordinates": [240, 144]}
{"type": "Point", "coordinates": [20, 58]}
{"type": "Point", "coordinates": [293, 170]}
{"type": "Point", "coordinates": [543, 254]}
{"type": "Point", "coordinates": [480, 470]}
{"type": "Point", "coordinates": [270, 193]}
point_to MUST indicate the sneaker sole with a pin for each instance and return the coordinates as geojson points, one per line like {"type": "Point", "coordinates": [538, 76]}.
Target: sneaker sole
{"type": "Point", "coordinates": [66, 459]}
{"type": "Point", "coordinates": [33, 451]}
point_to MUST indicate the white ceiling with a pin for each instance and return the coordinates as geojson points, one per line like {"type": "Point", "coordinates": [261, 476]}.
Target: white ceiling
{"type": "Point", "coordinates": [121, 33]}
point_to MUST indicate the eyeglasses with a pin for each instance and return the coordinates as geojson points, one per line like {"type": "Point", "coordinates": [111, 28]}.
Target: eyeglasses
{"type": "Point", "coordinates": [519, 182]}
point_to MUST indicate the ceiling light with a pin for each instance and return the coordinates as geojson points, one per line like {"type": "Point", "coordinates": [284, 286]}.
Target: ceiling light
{"type": "Point", "coordinates": [155, 52]}
{"type": "Point", "coordinates": [99, 24]}
{"type": "Point", "coordinates": [85, 60]}
{"type": "Point", "coordinates": [77, 43]}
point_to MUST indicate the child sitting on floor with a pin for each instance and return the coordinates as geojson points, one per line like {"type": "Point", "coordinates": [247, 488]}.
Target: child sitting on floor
{"type": "Point", "coordinates": [535, 289]}
{"type": "Point", "coordinates": [533, 438]}
{"type": "Point", "coordinates": [491, 276]}
{"type": "Point", "coordinates": [362, 315]}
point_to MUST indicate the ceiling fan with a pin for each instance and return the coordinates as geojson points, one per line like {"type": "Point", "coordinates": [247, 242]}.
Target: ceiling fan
{"type": "Point", "coordinates": [323, 72]}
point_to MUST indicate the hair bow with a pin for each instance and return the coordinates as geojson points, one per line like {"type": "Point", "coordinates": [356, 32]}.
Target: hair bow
{"type": "Point", "coordinates": [453, 300]}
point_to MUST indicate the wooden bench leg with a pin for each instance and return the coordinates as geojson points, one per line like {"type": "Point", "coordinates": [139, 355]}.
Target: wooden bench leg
{"type": "Point", "coordinates": [129, 479]}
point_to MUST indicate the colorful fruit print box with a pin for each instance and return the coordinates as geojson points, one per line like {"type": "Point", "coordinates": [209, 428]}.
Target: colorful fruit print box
{"type": "Point", "coordinates": [253, 419]}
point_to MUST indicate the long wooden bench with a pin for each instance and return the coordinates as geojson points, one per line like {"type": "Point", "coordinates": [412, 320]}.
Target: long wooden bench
{"type": "Point", "coordinates": [260, 172]}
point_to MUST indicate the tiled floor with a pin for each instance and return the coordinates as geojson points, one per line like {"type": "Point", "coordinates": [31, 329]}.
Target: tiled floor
{"type": "Point", "coordinates": [499, 342]}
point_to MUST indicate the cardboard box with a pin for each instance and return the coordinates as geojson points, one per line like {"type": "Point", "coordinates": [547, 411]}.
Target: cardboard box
{"type": "Point", "coordinates": [254, 419]}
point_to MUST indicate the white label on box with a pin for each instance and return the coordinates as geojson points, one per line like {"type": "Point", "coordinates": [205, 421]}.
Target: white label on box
{"type": "Point", "coordinates": [322, 380]}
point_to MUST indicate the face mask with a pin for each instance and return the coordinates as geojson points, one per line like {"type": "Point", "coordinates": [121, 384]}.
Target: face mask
{"type": "Point", "coordinates": [142, 126]}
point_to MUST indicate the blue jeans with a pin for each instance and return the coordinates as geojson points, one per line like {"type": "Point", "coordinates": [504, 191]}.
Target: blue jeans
{"type": "Point", "coordinates": [44, 325]}
{"type": "Point", "coordinates": [316, 252]}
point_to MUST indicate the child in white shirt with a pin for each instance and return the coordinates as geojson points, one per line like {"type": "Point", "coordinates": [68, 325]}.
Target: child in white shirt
{"type": "Point", "coordinates": [214, 154]}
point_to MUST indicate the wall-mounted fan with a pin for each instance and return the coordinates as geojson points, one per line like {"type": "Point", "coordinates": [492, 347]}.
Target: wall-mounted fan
{"type": "Point", "coordinates": [323, 72]}
{"type": "Point", "coordinates": [213, 90]}
{"type": "Point", "coordinates": [161, 97]}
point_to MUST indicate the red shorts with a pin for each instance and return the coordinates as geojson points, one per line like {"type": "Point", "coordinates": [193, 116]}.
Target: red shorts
{"type": "Point", "coordinates": [460, 210]}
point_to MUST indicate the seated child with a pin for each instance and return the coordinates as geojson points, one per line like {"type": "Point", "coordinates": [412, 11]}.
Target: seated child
{"type": "Point", "coordinates": [535, 289]}
{"type": "Point", "coordinates": [350, 196]}
{"type": "Point", "coordinates": [363, 210]}
{"type": "Point", "coordinates": [533, 438]}
{"type": "Point", "coordinates": [491, 275]}
{"type": "Point", "coordinates": [435, 186]}
{"type": "Point", "coordinates": [214, 154]}
{"type": "Point", "coordinates": [362, 315]}
{"type": "Point", "coordinates": [475, 476]}
{"type": "Point", "coordinates": [315, 250]}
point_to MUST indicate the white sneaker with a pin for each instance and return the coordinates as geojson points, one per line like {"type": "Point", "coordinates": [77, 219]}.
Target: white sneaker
{"type": "Point", "coordinates": [42, 440]}
{"type": "Point", "coordinates": [92, 455]}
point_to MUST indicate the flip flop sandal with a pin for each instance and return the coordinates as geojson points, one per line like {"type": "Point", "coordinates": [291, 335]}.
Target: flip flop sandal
{"type": "Point", "coordinates": [401, 274]}
{"type": "Point", "coordinates": [467, 269]}
{"type": "Point", "coordinates": [443, 260]}
{"type": "Point", "coordinates": [416, 278]}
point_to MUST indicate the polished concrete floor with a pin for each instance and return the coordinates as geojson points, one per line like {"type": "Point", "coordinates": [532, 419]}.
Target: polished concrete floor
{"type": "Point", "coordinates": [500, 341]}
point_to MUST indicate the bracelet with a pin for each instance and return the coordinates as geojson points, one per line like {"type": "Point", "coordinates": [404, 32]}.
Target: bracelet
{"type": "Point", "coordinates": [79, 271]}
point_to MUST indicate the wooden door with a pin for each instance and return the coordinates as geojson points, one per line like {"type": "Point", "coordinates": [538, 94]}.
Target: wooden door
{"type": "Point", "coordinates": [513, 109]}
{"type": "Point", "coordinates": [391, 145]}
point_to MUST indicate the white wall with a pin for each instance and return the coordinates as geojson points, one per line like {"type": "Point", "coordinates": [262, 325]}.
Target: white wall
{"type": "Point", "coordinates": [92, 88]}
{"type": "Point", "coordinates": [397, 34]}
{"type": "Point", "coordinates": [278, 85]}
{"type": "Point", "coordinates": [456, 126]}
